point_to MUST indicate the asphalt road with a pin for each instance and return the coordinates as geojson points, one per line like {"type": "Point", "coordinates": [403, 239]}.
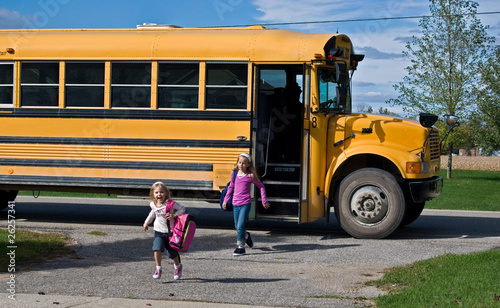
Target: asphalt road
{"type": "Point", "coordinates": [308, 265]}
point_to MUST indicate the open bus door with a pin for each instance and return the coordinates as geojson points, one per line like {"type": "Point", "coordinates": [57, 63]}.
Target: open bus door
{"type": "Point", "coordinates": [279, 140]}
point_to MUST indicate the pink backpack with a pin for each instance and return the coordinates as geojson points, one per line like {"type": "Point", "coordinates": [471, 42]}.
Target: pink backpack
{"type": "Point", "coordinates": [184, 229]}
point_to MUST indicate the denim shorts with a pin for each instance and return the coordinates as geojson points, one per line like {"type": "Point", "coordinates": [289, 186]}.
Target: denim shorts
{"type": "Point", "coordinates": [160, 242]}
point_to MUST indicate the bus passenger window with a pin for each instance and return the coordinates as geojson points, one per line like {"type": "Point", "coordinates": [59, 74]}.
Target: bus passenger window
{"type": "Point", "coordinates": [178, 85]}
{"type": "Point", "coordinates": [85, 84]}
{"type": "Point", "coordinates": [131, 85]}
{"type": "Point", "coordinates": [226, 86]}
{"type": "Point", "coordinates": [6, 83]}
{"type": "Point", "coordinates": [40, 84]}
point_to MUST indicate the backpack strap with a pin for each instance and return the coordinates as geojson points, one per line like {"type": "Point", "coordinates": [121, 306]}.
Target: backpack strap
{"type": "Point", "coordinates": [168, 209]}
{"type": "Point", "coordinates": [233, 178]}
{"type": "Point", "coordinates": [169, 206]}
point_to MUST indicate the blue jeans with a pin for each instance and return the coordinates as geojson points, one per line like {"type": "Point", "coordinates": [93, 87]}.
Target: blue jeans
{"type": "Point", "coordinates": [240, 218]}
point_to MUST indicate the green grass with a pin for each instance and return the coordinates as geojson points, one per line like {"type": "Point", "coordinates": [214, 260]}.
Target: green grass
{"type": "Point", "coordinates": [450, 280]}
{"type": "Point", "coordinates": [97, 233]}
{"type": "Point", "coordinates": [31, 247]}
{"type": "Point", "coordinates": [468, 190]}
{"type": "Point", "coordinates": [63, 194]}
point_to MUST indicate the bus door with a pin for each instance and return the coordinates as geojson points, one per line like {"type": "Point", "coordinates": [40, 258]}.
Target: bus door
{"type": "Point", "coordinates": [277, 139]}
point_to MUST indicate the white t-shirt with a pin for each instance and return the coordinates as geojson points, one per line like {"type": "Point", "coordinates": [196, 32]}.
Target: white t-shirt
{"type": "Point", "coordinates": [158, 215]}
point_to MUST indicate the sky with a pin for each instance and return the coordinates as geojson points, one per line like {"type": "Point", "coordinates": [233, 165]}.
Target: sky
{"type": "Point", "coordinates": [382, 41]}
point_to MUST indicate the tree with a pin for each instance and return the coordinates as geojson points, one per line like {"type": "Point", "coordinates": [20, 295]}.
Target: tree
{"type": "Point", "coordinates": [385, 111]}
{"type": "Point", "coordinates": [445, 63]}
{"type": "Point", "coordinates": [364, 109]}
{"type": "Point", "coordinates": [489, 102]}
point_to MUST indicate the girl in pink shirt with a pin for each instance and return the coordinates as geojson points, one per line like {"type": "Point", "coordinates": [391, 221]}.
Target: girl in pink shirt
{"type": "Point", "coordinates": [240, 190]}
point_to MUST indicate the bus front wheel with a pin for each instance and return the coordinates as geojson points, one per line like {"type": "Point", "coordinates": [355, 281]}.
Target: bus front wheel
{"type": "Point", "coordinates": [369, 203]}
{"type": "Point", "coordinates": [413, 211]}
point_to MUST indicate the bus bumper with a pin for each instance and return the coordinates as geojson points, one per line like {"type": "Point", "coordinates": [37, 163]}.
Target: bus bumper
{"type": "Point", "coordinates": [422, 191]}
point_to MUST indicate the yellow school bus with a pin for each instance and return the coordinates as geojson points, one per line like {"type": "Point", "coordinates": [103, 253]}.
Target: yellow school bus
{"type": "Point", "coordinates": [114, 110]}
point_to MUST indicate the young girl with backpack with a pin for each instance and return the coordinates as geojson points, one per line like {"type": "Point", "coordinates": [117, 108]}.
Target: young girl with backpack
{"type": "Point", "coordinates": [160, 195]}
{"type": "Point", "coordinates": [239, 189]}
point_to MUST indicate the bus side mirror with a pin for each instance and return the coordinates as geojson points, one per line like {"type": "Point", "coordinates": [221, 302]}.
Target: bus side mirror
{"type": "Point", "coordinates": [451, 121]}
{"type": "Point", "coordinates": [341, 75]}
{"type": "Point", "coordinates": [341, 97]}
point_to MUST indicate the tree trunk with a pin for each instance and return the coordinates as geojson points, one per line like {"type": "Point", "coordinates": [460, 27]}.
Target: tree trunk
{"type": "Point", "coordinates": [450, 156]}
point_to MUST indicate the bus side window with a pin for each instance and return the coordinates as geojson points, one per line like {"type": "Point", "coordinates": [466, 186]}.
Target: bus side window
{"type": "Point", "coordinates": [6, 83]}
{"type": "Point", "coordinates": [131, 85]}
{"type": "Point", "coordinates": [226, 86]}
{"type": "Point", "coordinates": [84, 84]}
{"type": "Point", "coordinates": [178, 85]}
{"type": "Point", "coordinates": [39, 84]}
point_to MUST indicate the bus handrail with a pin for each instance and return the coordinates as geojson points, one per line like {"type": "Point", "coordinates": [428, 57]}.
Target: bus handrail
{"type": "Point", "coordinates": [267, 146]}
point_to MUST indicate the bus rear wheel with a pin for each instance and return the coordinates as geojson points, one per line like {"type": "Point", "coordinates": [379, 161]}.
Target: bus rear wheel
{"type": "Point", "coordinates": [6, 196]}
{"type": "Point", "coordinates": [369, 204]}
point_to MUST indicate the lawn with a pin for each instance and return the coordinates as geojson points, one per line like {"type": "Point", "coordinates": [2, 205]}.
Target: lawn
{"type": "Point", "coordinates": [447, 281]}
{"type": "Point", "coordinates": [469, 190]}
{"type": "Point", "coordinates": [20, 248]}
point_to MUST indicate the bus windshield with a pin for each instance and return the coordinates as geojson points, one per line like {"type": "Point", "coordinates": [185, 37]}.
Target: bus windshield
{"type": "Point", "coordinates": [334, 97]}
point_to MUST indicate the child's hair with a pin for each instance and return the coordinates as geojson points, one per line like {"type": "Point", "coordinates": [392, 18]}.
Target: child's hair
{"type": "Point", "coordinates": [251, 167]}
{"type": "Point", "coordinates": [168, 194]}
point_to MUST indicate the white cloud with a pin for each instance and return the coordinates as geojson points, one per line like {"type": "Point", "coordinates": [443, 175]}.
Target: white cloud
{"type": "Point", "coordinates": [327, 10]}
{"type": "Point", "coordinates": [10, 19]}
{"type": "Point", "coordinates": [296, 10]}
{"type": "Point", "coordinates": [373, 94]}
{"type": "Point", "coordinates": [372, 53]}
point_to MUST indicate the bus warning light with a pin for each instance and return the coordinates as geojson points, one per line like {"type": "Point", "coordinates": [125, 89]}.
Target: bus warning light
{"type": "Point", "coordinates": [10, 50]}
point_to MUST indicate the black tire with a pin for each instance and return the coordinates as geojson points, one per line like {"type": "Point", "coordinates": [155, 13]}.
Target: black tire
{"type": "Point", "coordinates": [6, 196]}
{"type": "Point", "coordinates": [369, 204]}
{"type": "Point", "coordinates": [413, 211]}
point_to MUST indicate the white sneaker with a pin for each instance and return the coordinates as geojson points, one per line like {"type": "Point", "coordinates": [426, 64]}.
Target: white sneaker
{"type": "Point", "coordinates": [178, 272]}
{"type": "Point", "coordinates": [157, 274]}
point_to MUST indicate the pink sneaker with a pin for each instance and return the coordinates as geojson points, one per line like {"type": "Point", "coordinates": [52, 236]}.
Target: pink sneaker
{"type": "Point", "coordinates": [157, 274]}
{"type": "Point", "coordinates": [178, 272]}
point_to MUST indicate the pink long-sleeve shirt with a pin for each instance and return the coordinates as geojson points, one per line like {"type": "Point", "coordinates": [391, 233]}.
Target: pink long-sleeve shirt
{"type": "Point", "coordinates": [240, 190]}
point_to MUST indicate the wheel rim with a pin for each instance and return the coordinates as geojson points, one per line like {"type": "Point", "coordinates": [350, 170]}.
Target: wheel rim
{"type": "Point", "coordinates": [369, 205]}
